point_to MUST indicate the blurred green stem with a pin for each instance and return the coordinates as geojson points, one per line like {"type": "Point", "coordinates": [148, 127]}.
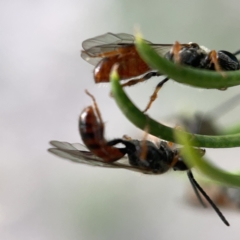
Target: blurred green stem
{"type": "Point", "coordinates": [193, 160]}
{"type": "Point", "coordinates": [161, 131]}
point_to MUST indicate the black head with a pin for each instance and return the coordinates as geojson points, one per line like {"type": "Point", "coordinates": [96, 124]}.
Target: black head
{"type": "Point", "coordinates": [227, 61]}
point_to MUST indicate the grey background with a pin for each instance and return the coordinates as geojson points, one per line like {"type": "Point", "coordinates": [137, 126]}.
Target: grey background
{"type": "Point", "coordinates": [42, 93]}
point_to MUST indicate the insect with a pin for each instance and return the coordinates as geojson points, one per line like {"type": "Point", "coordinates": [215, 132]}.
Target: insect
{"type": "Point", "coordinates": [158, 161]}
{"type": "Point", "coordinates": [106, 50]}
{"type": "Point", "coordinates": [142, 156]}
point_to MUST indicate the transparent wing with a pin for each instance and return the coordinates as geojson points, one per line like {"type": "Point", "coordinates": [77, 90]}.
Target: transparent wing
{"type": "Point", "coordinates": [90, 56]}
{"type": "Point", "coordinates": [95, 48]}
{"type": "Point", "coordinates": [107, 41]}
{"type": "Point", "coordinates": [91, 60]}
{"type": "Point", "coordinates": [105, 44]}
{"type": "Point", "coordinates": [78, 153]}
{"type": "Point", "coordinates": [162, 49]}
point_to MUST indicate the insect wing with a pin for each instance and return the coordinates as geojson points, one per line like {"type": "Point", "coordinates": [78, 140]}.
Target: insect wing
{"type": "Point", "coordinates": [79, 154]}
{"type": "Point", "coordinates": [109, 43]}
{"type": "Point", "coordinates": [106, 42]}
{"type": "Point", "coordinates": [69, 146]}
{"type": "Point", "coordinates": [162, 49]}
{"type": "Point", "coordinates": [105, 45]}
{"type": "Point", "coordinates": [91, 60]}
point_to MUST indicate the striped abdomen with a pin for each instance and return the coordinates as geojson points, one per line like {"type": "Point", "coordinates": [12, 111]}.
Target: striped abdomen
{"type": "Point", "coordinates": [92, 133]}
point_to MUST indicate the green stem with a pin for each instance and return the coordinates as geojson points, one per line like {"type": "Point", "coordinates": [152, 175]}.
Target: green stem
{"type": "Point", "coordinates": [193, 160]}
{"type": "Point", "coordinates": [231, 130]}
{"type": "Point", "coordinates": [191, 76]}
{"type": "Point", "coordinates": [161, 131]}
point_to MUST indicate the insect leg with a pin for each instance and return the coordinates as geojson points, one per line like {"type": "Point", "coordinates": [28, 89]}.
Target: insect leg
{"type": "Point", "coordinates": [175, 50]}
{"type": "Point", "coordinates": [197, 188]}
{"type": "Point", "coordinates": [154, 95]}
{"type": "Point", "coordinates": [144, 78]}
{"type": "Point", "coordinates": [144, 149]}
{"type": "Point", "coordinates": [213, 58]}
{"type": "Point", "coordinates": [95, 106]}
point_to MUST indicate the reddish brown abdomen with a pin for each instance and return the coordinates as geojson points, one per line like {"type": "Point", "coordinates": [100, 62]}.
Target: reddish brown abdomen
{"type": "Point", "coordinates": [92, 133]}
{"type": "Point", "coordinates": [130, 65]}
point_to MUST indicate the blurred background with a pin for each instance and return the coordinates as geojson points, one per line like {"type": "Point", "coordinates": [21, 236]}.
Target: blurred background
{"type": "Point", "coordinates": [43, 80]}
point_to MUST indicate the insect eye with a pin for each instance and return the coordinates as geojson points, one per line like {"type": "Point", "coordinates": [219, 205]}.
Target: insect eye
{"type": "Point", "coordinates": [230, 55]}
{"type": "Point", "coordinates": [227, 60]}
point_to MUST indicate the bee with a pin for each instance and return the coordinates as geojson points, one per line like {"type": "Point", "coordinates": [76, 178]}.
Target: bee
{"type": "Point", "coordinates": [106, 50]}
{"type": "Point", "coordinates": [141, 156]}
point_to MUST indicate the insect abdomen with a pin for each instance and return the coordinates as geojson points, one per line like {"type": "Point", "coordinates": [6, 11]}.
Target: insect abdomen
{"type": "Point", "coordinates": [129, 66]}
{"type": "Point", "coordinates": [92, 133]}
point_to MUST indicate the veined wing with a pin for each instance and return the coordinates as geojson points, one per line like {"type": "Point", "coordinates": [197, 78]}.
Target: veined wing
{"type": "Point", "coordinates": [78, 153]}
{"type": "Point", "coordinates": [108, 44]}
{"type": "Point", "coordinates": [162, 49]}
{"type": "Point", "coordinates": [105, 45]}
{"type": "Point", "coordinates": [105, 42]}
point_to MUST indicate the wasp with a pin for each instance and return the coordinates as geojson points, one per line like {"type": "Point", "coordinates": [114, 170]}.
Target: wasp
{"type": "Point", "coordinates": [106, 50]}
{"type": "Point", "coordinates": [158, 160]}
{"type": "Point", "coordinates": [141, 156]}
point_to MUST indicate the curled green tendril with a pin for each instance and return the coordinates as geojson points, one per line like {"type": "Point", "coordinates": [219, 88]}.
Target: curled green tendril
{"type": "Point", "coordinates": [193, 160]}
{"type": "Point", "coordinates": [161, 131]}
{"type": "Point", "coordinates": [191, 76]}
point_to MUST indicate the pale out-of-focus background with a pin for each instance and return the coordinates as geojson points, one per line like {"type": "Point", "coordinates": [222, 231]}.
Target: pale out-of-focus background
{"type": "Point", "coordinates": [42, 93]}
